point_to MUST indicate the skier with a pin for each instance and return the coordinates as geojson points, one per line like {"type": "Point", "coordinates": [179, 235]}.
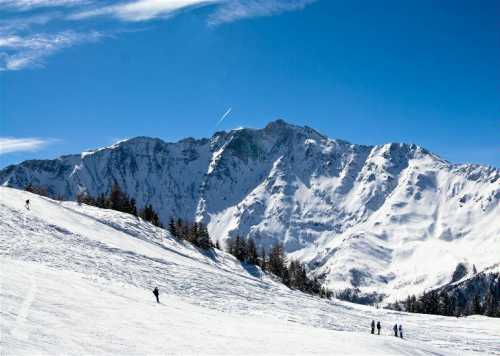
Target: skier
{"type": "Point", "coordinates": [378, 327]}
{"type": "Point", "coordinates": [27, 204]}
{"type": "Point", "coordinates": [395, 328]}
{"type": "Point", "coordinates": [400, 331]}
{"type": "Point", "coordinates": [373, 326]}
{"type": "Point", "coordinates": [156, 292]}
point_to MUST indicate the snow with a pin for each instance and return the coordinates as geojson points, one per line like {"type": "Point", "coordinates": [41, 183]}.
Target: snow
{"type": "Point", "coordinates": [78, 280]}
{"type": "Point", "coordinates": [391, 219]}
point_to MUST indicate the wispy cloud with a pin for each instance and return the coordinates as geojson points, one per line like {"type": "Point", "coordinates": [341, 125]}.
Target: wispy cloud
{"type": "Point", "coordinates": [25, 5]}
{"type": "Point", "coordinates": [36, 29]}
{"type": "Point", "coordinates": [230, 11]}
{"type": "Point", "coordinates": [12, 144]}
{"type": "Point", "coordinates": [228, 111]}
{"type": "Point", "coordinates": [141, 10]}
{"type": "Point", "coordinates": [19, 52]}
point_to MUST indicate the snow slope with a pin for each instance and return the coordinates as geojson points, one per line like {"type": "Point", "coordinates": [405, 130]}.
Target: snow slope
{"type": "Point", "coordinates": [78, 280]}
{"type": "Point", "coordinates": [393, 219]}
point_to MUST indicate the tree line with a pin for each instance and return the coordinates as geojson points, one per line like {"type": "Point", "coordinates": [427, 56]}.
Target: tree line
{"type": "Point", "coordinates": [118, 200]}
{"type": "Point", "coordinates": [195, 233]}
{"type": "Point", "coordinates": [291, 273]}
{"type": "Point", "coordinates": [457, 303]}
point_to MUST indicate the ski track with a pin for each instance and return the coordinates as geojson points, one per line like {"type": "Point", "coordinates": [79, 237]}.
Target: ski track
{"type": "Point", "coordinates": [214, 282]}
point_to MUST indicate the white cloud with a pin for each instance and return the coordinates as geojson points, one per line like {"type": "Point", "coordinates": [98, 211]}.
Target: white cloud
{"type": "Point", "coordinates": [24, 23]}
{"type": "Point", "coordinates": [233, 10]}
{"type": "Point", "coordinates": [225, 11]}
{"type": "Point", "coordinates": [19, 52]}
{"type": "Point", "coordinates": [11, 144]}
{"type": "Point", "coordinates": [26, 39]}
{"type": "Point", "coordinates": [141, 10]}
{"type": "Point", "coordinates": [24, 5]}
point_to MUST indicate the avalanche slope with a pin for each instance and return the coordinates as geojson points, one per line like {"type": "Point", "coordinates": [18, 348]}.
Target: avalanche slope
{"type": "Point", "coordinates": [78, 280]}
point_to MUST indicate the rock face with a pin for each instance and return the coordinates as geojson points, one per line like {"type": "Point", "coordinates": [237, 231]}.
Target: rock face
{"type": "Point", "coordinates": [393, 219]}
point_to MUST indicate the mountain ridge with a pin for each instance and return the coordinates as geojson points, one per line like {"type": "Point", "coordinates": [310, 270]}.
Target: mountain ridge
{"type": "Point", "coordinates": [352, 212]}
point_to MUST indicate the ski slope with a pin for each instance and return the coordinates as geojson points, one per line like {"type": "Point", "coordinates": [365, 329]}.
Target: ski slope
{"type": "Point", "coordinates": [78, 280]}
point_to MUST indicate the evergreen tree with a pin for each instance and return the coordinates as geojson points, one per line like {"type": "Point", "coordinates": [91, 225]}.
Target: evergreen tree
{"type": "Point", "coordinates": [133, 207]}
{"type": "Point", "coordinates": [285, 276]}
{"type": "Point", "coordinates": [102, 202]}
{"type": "Point", "coordinates": [490, 304]}
{"type": "Point", "coordinates": [445, 305]}
{"type": "Point", "coordinates": [203, 238]}
{"type": "Point", "coordinates": [230, 246]}
{"type": "Point", "coordinates": [172, 228]}
{"type": "Point", "coordinates": [277, 260]}
{"type": "Point", "coordinates": [193, 233]}
{"type": "Point", "coordinates": [476, 305]}
{"type": "Point", "coordinates": [117, 199]}
{"type": "Point", "coordinates": [263, 259]}
{"type": "Point", "coordinates": [251, 252]}
{"type": "Point", "coordinates": [150, 215]}
{"type": "Point", "coordinates": [240, 248]}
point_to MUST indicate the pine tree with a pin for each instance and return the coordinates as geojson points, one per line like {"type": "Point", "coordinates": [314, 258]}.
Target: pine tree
{"type": "Point", "coordinates": [263, 259]}
{"type": "Point", "coordinates": [193, 233]}
{"type": "Point", "coordinates": [251, 252]}
{"type": "Point", "coordinates": [490, 304]}
{"type": "Point", "coordinates": [133, 207]}
{"type": "Point", "coordinates": [117, 198]}
{"type": "Point", "coordinates": [102, 202]}
{"type": "Point", "coordinates": [203, 239]}
{"type": "Point", "coordinates": [476, 305]}
{"type": "Point", "coordinates": [285, 276]}
{"type": "Point", "coordinates": [230, 246]}
{"type": "Point", "coordinates": [172, 228]}
{"type": "Point", "coordinates": [445, 305]}
{"type": "Point", "coordinates": [240, 248]}
{"type": "Point", "coordinates": [277, 260]}
{"type": "Point", "coordinates": [150, 215]}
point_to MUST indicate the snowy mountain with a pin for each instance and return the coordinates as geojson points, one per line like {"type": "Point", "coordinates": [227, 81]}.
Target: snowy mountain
{"type": "Point", "coordinates": [393, 219]}
{"type": "Point", "coordinates": [78, 280]}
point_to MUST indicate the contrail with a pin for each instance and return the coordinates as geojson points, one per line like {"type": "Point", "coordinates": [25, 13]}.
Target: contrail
{"type": "Point", "coordinates": [224, 116]}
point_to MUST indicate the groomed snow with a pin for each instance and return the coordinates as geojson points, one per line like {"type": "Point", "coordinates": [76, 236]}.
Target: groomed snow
{"type": "Point", "coordinates": [78, 280]}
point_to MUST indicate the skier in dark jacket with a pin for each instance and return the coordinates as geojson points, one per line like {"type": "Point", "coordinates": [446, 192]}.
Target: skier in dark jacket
{"type": "Point", "coordinates": [400, 331]}
{"type": "Point", "coordinates": [395, 328]}
{"type": "Point", "coordinates": [378, 327]}
{"type": "Point", "coordinates": [156, 292]}
{"type": "Point", "coordinates": [27, 204]}
{"type": "Point", "coordinates": [373, 326]}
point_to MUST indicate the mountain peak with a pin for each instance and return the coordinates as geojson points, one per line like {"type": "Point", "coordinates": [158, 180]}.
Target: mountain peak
{"type": "Point", "coordinates": [278, 123]}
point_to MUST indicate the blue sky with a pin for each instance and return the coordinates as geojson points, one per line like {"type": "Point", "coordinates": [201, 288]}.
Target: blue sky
{"type": "Point", "coordinates": [81, 74]}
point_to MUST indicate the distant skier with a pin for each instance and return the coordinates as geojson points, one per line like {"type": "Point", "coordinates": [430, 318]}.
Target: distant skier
{"type": "Point", "coordinates": [395, 328]}
{"type": "Point", "coordinates": [373, 326]}
{"type": "Point", "coordinates": [400, 331]}
{"type": "Point", "coordinates": [156, 292]}
{"type": "Point", "coordinates": [378, 327]}
{"type": "Point", "coordinates": [27, 204]}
